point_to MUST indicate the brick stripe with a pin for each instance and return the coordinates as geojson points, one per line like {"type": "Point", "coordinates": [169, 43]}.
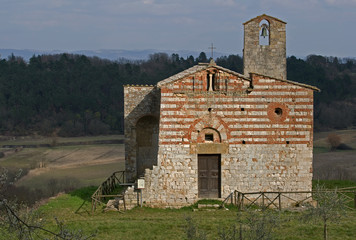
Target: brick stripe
{"type": "Point", "coordinates": [239, 143]}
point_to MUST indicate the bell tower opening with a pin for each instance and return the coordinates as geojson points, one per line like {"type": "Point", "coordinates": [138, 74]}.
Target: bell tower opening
{"type": "Point", "coordinates": [264, 33]}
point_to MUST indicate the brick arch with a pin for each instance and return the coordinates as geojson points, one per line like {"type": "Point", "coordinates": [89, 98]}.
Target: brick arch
{"type": "Point", "coordinates": [216, 136]}
{"type": "Point", "coordinates": [209, 122]}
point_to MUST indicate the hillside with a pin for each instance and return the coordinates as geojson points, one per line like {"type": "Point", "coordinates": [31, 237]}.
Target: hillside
{"type": "Point", "coordinates": [74, 95]}
{"type": "Point", "coordinates": [110, 54]}
{"type": "Point", "coordinates": [338, 164]}
{"type": "Point", "coordinates": [49, 170]}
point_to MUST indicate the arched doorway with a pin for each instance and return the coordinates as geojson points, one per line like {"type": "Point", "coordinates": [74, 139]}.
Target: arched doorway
{"type": "Point", "coordinates": [147, 143]}
{"type": "Point", "coordinates": [209, 165]}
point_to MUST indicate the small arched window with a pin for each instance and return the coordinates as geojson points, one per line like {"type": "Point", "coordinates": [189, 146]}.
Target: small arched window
{"type": "Point", "coordinates": [264, 33]}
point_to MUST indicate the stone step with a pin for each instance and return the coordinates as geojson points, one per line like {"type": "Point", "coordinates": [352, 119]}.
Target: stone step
{"type": "Point", "coordinates": [200, 206]}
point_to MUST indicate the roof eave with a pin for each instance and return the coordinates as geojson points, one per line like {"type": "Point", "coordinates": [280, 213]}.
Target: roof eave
{"type": "Point", "coordinates": [203, 66]}
{"type": "Point", "coordinates": [289, 81]}
{"type": "Point", "coordinates": [264, 16]}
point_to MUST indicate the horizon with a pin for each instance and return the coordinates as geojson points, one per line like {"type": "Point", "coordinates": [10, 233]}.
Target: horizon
{"type": "Point", "coordinates": [319, 27]}
{"type": "Point", "coordinates": [130, 55]}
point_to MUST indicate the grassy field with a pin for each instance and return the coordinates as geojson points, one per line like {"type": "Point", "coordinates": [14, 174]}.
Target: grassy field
{"type": "Point", "coordinates": [78, 165]}
{"type": "Point", "coordinates": [35, 140]}
{"type": "Point", "coordinates": [147, 223]}
{"type": "Point", "coordinates": [89, 165]}
{"type": "Point", "coordinates": [347, 136]}
{"type": "Point", "coordinates": [339, 164]}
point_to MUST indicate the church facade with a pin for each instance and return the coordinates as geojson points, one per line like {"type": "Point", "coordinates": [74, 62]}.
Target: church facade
{"type": "Point", "coordinates": [208, 131]}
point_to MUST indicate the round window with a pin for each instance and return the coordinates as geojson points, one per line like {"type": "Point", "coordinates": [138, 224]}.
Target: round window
{"type": "Point", "coordinates": [278, 111]}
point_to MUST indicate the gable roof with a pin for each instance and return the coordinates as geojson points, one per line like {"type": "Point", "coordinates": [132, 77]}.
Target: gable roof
{"type": "Point", "coordinates": [264, 16]}
{"type": "Point", "coordinates": [202, 66]}
{"type": "Point", "coordinates": [291, 82]}
{"type": "Point", "coordinates": [198, 68]}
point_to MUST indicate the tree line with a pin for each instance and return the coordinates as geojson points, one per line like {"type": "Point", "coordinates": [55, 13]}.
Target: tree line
{"type": "Point", "coordinates": [74, 95]}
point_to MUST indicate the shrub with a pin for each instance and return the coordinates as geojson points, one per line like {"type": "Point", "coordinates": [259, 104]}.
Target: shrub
{"type": "Point", "coordinates": [334, 140]}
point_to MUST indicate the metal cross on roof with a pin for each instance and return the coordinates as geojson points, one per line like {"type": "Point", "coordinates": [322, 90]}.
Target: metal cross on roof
{"type": "Point", "coordinates": [212, 50]}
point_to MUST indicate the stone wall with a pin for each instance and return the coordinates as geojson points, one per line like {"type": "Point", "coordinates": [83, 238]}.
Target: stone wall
{"type": "Point", "coordinates": [246, 168]}
{"type": "Point", "coordinates": [141, 103]}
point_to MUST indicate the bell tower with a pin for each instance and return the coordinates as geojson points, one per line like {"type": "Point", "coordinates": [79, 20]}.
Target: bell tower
{"type": "Point", "coordinates": [265, 47]}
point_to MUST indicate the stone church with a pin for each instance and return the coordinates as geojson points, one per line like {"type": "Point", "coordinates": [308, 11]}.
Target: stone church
{"type": "Point", "coordinates": [208, 131]}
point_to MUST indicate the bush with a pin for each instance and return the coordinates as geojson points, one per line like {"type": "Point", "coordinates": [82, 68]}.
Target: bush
{"type": "Point", "coordinates": [334, 140]}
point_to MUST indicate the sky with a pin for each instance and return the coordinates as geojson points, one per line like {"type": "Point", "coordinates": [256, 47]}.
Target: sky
{"type": "Point", "coordinates": [323, 27]}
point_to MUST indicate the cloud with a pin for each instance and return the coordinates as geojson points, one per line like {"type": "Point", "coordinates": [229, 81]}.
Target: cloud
{"type": "Point", "coordinates": [300, 4]}
{"type": "Point", "coordinates": [148, 2]}
{"type": "Point", "coordinates": [228, 3]}
{"type": "Point", "coordinates": [341, 2]}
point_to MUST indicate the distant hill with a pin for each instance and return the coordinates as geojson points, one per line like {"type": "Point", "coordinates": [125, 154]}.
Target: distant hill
{"type": "Point", "coordinates": [75, 95]}
{"type": "Point", "coordinates": [111, 54]}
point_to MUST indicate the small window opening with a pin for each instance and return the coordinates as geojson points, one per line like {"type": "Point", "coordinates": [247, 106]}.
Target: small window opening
{"type": "Point", "coordinates": [209, 138]}
{"type": "Point", "coordinates": [209, 109]}
{"type": "Point", "coordinates": [287, 142]}
{"type": "Point", "coordinates": [264, 32]}
{"type": "Point", "coordinates": [242, 109]}
{"type": "Point", "coordinates": [193, 83]}
{"type": "Point", "coordinates": [278, 111]}
{"type": "Point", "coordinates": [243, 142]}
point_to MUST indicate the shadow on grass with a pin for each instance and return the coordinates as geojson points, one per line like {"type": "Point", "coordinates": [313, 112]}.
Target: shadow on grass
{"type": "Point", "coordinates": [84, 193]}
{"type": "Point", "coordinates": [332, 184]}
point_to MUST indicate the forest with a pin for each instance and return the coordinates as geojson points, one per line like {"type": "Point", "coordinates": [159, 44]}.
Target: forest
{"type": "Point", "coordinates": [75, 95]}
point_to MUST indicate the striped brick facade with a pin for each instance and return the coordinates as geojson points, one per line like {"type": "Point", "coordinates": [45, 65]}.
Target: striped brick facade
{"type": "Point", "coordinates": [260, 127]}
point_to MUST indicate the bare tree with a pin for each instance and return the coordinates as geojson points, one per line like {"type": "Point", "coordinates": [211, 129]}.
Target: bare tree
{"type": "Point", "coordinates": [27, 224]}
{"type": "Point", "coordinates": [330, 207]}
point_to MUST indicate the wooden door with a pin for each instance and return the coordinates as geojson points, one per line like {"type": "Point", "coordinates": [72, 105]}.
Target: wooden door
{"type": "Point", "coordinates": [209, 176]}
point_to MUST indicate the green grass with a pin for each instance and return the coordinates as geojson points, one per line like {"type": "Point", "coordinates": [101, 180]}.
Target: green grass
{"type": "Point", "coordinates": [317, 150]}
{"type": "Point", "coordinates": [349, 197]}
{"type": "Point", "coordinates": [332, 184]}
{"type": "Point", "coordinates": [84, 193]}
{"type": "Point", "coordinates": [149, 223]}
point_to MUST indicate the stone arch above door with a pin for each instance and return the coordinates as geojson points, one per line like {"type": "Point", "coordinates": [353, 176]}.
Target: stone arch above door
{"type": "Point", "coordinates": [200, 141]}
